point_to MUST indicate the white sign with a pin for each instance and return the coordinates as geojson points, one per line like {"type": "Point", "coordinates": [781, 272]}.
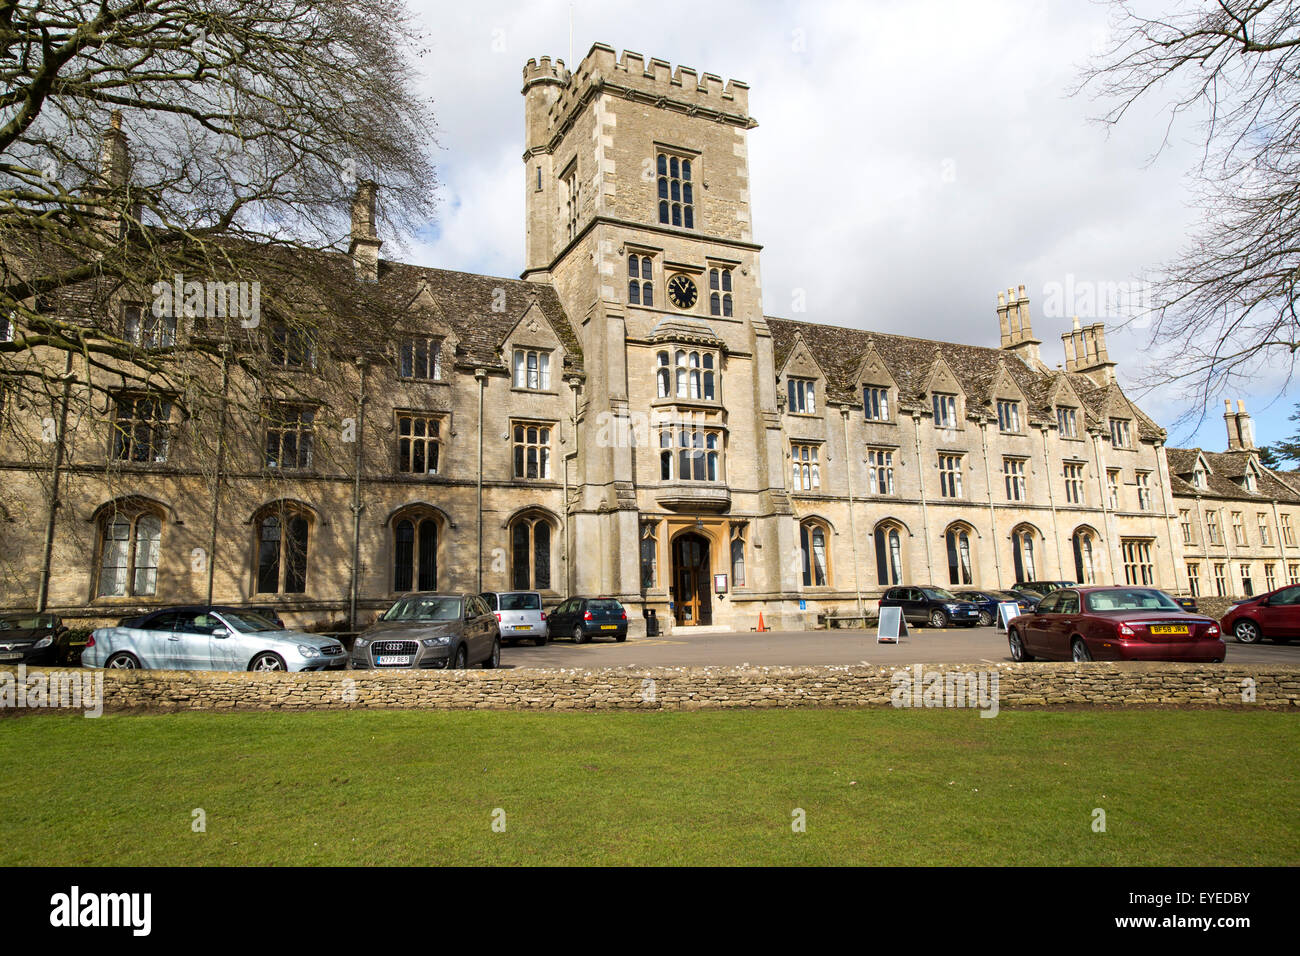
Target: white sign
{"type": "Point", "coordinates": [1006, 611]}
{"type": "Point", "coordinates": [891, 625]}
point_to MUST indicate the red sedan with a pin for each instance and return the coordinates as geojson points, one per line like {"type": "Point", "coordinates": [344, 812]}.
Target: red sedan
{"type": "Point", "coordinates": [1113, 624]}
{"type": "Point", "coordinates": [1275, 615]}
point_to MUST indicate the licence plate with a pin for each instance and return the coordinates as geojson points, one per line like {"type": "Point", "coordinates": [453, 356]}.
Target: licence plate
{"type": "Point", "coordinates": [393, 660]}
{"type": "Point", "coordinates": [1168, 628]}
{"type": "Point", "coordinates": [609, 627]}
{"type": "Point", "coordinates": [11, 657]}
{"type": "Point", "coordinates": [522, 627]}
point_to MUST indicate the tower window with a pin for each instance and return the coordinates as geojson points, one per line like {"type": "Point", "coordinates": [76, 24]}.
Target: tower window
{"type": "Point", "coordinates": [676, 191]}
{"type": "Point", "coordinates": [720, 292]}
{"type": "Point", "coordinates": [640, 280]}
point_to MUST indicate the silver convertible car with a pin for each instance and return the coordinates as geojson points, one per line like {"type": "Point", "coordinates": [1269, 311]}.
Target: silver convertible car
{"type": "Point", "coordinates": [431, 630]}
{"type": "Point", "coordinates": [210, 638]}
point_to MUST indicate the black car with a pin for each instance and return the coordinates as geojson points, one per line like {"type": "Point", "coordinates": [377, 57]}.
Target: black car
{"type": "Point", "coordinates": [582, 618]}
{"type": "Point", "coordinates": [1029, 597]}
{"type": "Point", "coordinates": [931, 605]}
{"type": "Point", "coordinates": [988, 601]}
{"type": "Point", "coordinates": [34, 639]}
{"type": "Point", "coordinates": [1041, 589]}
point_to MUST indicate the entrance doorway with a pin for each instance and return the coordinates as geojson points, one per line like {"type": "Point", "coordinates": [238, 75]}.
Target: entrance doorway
{"type": "Point", "coordinates": [691, 580]}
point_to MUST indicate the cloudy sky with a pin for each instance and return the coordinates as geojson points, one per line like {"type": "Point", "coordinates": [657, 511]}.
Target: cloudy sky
{"type": "Point", "coordinates": [911, 159]}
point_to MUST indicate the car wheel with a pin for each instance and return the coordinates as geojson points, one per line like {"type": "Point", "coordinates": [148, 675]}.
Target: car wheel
{"type": "Point", "coordinates": [986, 618]}
{"type": "Point", "coordinates": [459, 660]}
{"type": "Point", "coordinates": [621, 638]}
{"type": "Point", "coordinates": [267, 662]}
{"type": "Point", "coordinates": [541, 641]}
{"type": "Point", "coordinates": [1079, 651]}
{"type": "Point", "coordinates": [122, 661]}
{"type": "Point", "coordinates": [494, 659]}
{"type": "Point", "coordinates": [579, 637]}
{"type": "Point", "coordinates": [938, 619]}
{"type": "Point", "coordinates": [1247, 632]}
{"type": "Point", "coordinates": [1018, 652]}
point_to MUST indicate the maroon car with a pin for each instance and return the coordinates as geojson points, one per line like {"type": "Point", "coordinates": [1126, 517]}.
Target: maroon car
{"type": "Point", "coordinates": [1113, 624]}
{"type": "Point", "coordinates": [1275, 615]}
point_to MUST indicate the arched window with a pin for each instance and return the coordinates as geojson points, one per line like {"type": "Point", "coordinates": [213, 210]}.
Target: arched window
{"type": "Point", "coordinates": [889, 555]}
{"type": "Point", "coordinates": [695, 374]}
{"type": "Point", "coordinates": [812, 542]}
{"type": "Point", "coordinates": [128, 554]}
{"type": "Point", "coordinates": [283, 536]}
{"type": "Point", "coordinates": [1085, 568]}
{"type": "Point", "coordinates": [530, 553]}
{"type": "Point", "coordinates": [1022, 551]}
{"type": "Point", "coordinates": [664, 376]}
{"type": "Point", "coordinates": [959, 560]}
{"type": "Point", "coordinates": [676, 196]}
{"type": "Point", "coordinates": [738, 555]}
{"type": "Point", "coordinates": [720, 292]}
{"type": "Point", "coordinates": [415, 553]}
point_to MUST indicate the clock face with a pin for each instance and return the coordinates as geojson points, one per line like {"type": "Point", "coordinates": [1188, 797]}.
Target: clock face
{"type": "Point", "coordinates": [682, 292]}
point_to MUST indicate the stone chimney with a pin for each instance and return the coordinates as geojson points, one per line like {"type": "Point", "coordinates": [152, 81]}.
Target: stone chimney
{"type": "Point", "coordinates": [1241, 430]}
{"type": "Point", "coordinates": [364, 248]}
{"type": "Point", "coordinates": [114, 157]}
{"type": "Point", "coordinates": [107, 192]}
{"type": "Point", "coordinates": [1085, 352]}
{"type": "Point", "coordinates": [1017, 330]}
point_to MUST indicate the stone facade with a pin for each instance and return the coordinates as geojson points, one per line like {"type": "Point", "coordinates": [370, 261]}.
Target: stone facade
{"type": "Point", "coordinates": [695, 688]}
{"type": "Point", "coordinates": [646, 432]}
{"type": "Point", "coordinates": [1239, 522]}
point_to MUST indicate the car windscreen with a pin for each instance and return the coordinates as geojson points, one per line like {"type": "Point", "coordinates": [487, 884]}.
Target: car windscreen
{"type": "Point", "coordinates": [28, 622]}
{"type": "Point", "coordinates": [247, 622]}
{"type": "Point", "coordinates": [604, 606]}
{"type": "Point", "coordinates": [1131, 599]}
{"type": "Point", "coordinates": [939, 594]}
{"type": "Point", "coordinates": [521, 602]}
{"type": "Point", "coordinates": [424, 609]}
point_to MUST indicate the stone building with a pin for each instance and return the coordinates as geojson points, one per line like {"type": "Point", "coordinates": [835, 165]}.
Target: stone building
{"type": "Point", "coordinates": [623, 420]}
{"type": "Point", "coordinates": [1239, 522]}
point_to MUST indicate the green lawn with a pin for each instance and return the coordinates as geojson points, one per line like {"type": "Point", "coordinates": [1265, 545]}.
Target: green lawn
{"type": "Point", "coordinates": [878, 787]}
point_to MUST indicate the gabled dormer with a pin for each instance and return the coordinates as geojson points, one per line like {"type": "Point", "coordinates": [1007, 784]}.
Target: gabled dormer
{"type": "Point", "coordinates": [533, 353]}
{"type": "Point", "coordinates": [1008, 403]}
{"type": "Point", "coordinates": [802, 381]}
{"type": "Point", "coordinates": [1067, 409]}
{"type": "Point", "coordinates": [946, 397]}
{"type": "Point", "coordinates": [877, 388]}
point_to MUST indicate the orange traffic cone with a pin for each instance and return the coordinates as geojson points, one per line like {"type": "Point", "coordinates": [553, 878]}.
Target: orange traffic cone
{"type": "Point", "coordinates": [760, 622]}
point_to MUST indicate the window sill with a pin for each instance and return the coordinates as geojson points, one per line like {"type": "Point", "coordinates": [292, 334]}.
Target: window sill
{"type": "Point", "coordinates": [533, 391]}
{"type": "Point", "coordinates": [412, 380]}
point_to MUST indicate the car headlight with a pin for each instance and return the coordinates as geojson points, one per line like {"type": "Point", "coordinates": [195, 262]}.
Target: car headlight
{"type": "Point", "coordinates": [43, 642]}
{"type": "Point", "coordinates": [436, 641]}
{"type": "Point", "coordinates": [360, 642]}
{"type": "Point", "coordinates": [953, 607]}
{"type": "Point", "coordinates": [308, 651]}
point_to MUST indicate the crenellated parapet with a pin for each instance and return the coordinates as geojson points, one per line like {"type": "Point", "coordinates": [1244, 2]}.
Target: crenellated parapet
{"type": "Point", "coordinates": [633, 77]}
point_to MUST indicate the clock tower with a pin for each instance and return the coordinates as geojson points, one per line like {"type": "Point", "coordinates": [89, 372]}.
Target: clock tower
{"type": "Point", "coordinates": [637, 193]}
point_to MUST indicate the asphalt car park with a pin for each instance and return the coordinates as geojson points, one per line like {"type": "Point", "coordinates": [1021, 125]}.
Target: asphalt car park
{"type": "Point", "coordinates": [977, 645]}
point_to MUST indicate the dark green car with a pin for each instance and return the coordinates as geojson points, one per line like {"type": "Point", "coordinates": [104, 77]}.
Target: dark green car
{"type": "Point", "coordinates": [582, 618]}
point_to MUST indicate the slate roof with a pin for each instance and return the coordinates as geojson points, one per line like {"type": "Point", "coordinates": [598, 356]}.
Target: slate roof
{"type": "Point", "coordinates": [481, 310]}
{"type": "Point", "coordinates": [1224, 467]}
{"type": "Point", "coordinates": [840, 352]}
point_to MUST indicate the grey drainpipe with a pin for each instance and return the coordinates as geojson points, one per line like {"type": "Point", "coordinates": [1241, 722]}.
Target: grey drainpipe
{"type": "Point", "coordinates": [480, 376]}
{"type": "Point", "coordinates": [853, 520]}
{"type": "Point", "coordinates": [221, 463]}
{"type": "Point", "coordinates": [357, 506]}
{"type": "Point", "coordinates": [47, 557]}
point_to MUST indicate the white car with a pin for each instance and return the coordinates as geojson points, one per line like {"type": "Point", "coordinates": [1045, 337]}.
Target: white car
{"type": "Point", "coordinates": [210, 639]}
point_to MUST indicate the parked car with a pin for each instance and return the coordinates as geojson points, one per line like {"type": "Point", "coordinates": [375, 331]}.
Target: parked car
{"type": "Point", "coordinates": [1042, 588]}
{"type": "Point", "coordinates": [211, 638]}
{"type": "Point", "coordinates": [988, 601]}
{"type": "Point", "coordinates": [520, 615]}
{"type": "Point", "coordinates": [262, 610]}
{"type": "Point", "coordinates": [450, 631]}
{"type": "Point", "coordinates": [35, 639]}
{"type": "Point", "coordinates": [582, 618]}
{"type": "Point", "coordinates": [1114, 624]}
{"type": "Point", "coordinates": [1029, 597]}
{"type": "Point", "coordinates": [1275, 615]}
{"type": "Point", "coordinates": [1186, 603]}
{"type": "Point", "coordinates": [931, 605]}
